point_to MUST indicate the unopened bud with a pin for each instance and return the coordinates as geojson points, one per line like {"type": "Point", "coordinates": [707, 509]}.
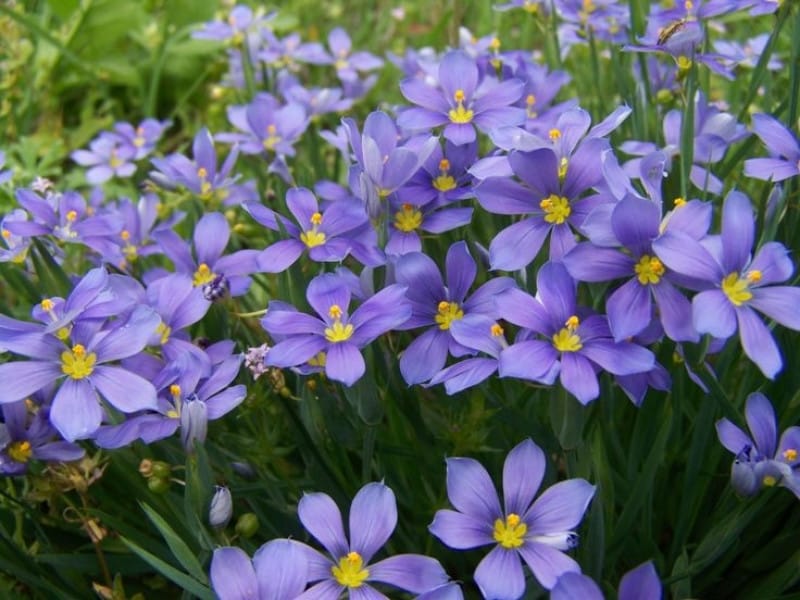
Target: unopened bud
{"type": "Point", "coordinates": [221, 508]}
{"type": "Point", "coordinates": [194, 424]}
{"type": "Point", "coordinates": [247, 525]}
{"type": "Point", "coordinates": [158, 485]}
{"type": "Point", "coordinates": [161, 470]}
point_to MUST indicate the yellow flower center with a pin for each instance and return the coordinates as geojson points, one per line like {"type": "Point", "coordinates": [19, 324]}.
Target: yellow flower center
{"type": "Point", "coordinates": [138, 141]}
{"type": "Point", "coordinates": [459, 114]}
{"type": "Point", "coordinates": [350, 572]}
{"type": "Point", "coordinates": [202, 173]}
{"type": "Point", "coordinates": [554, 135]}
{"type": "Point", "coordinates": [203, 275]}
{"type": "Point", "coordinates": [337, 332]}
{"type": "Point", "coordinates": [511, 532]}
{"type": "Point", "coordinates": [566, 340]}
{"type": "Point", "coordinates": [556, 209]}
{"type": "Point", "coordinates": [684, 63]}
{"type": "Point", "coordinates": [47, 305]}
{"type": "Point", "coordinates": [769, 481]}
{"type": "Point", "coordinates": [447, 312]}
{"type": "Point", "coordinates": [6, 234]}
{"type": "Point", "coordinates": [408, 218]}
{"type": "Point", "coordinates": [790, 454]}
{"type": "Point", "coordinates": [20, 452]}
{"type": "Point", "coordinates": [649, 270]}
{"type": "Point", "coordinates": [678, 202]}
{"type": "Point", "coordinates": [272, 138]}
{"type": "Point", "coordinates": [312, 237]}
{"type": "Point", "coordinates": [444, 182]}
{"type": "Point", "coordinates": [76, 363]}
{"type": "Point", "coordinates": [737, 289]}
{"type": "Point", "coordinates": [496, 330]}
{"type": "Point", "coordinates": [164, 331]}
{"type": "Point", "coordinates": [72, 216]}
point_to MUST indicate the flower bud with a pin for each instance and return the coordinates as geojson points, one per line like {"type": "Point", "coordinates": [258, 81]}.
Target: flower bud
{"type": "Point", "coordinates": [247, 525]}
{"type": "Point", "coordinates": [221, 508]}
{"type": "Point", "coordinates": [161, 469]}
{"type": "Point", "coordinates": [194, 423]}
{"type": "Point", "coordinates": [157, 485]}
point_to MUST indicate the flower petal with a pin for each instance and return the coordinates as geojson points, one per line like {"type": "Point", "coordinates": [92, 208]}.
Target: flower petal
{"type": "Point", "coordinates": [573, 585]}
{"type": "Point", "coordinates": [560, 507]}
{"type": "Point", "coordinates": [126, 391]}
{"type": "Point", "coordinates": [640, 583]}
{"type": "Point", "coordinates": [547, 563]}
{"type": "Point", "coordinates": [75, 412]}
{"type": "Point", "coordinates": [280, 569]}
{"type": "Point", "coordinates": [523, 471]}
{"type": "Point", "coordinates": [321, 517]}
{"type": "Point", "coordinates": [210, 238]}
{"type": "Point", "coordinates": [499, 575]}
{"type": "Point", "coordinates": [471, 491]}
{"type": "Point", "coordinates": [578, 377]}
{"type": "Point", "coordinates": [410, 572]}
{"type": "Point", "coordinates": [344, 363]}
{"type": "Point", "coordinates": [20, 379]}
{"type": "Point", "coordinates": [460, 531]}
{"type": "Point", "coordinates": [758, 343]}
{"type": "Point", "coordinates": [373, 517]}
{"type": "Point", "coordinates": [713, 313]}
{"type": "Point", "coordinates": [738, 230]}
{"type": "Point", "coordinates": [232, 575]}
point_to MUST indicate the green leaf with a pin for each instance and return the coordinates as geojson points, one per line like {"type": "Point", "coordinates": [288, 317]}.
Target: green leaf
{"type": "Point", "coordinates": [187, 583]}
{"type": "Point", "coordinates": [179, 548]}
{"type": "Point", "coordinates": [52, 277]}
{"type": "Point", "coordinates": [63, 9]}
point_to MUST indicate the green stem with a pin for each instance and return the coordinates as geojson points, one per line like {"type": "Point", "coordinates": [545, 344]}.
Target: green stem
{"type": "Point", "coordinates": [687, 130]}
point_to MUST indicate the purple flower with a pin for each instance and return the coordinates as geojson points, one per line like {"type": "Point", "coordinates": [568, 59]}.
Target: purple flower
{"type": "Point", "coordinates": [463, 102]}
{"type": "Point", "coordinates": [348, 64]}
{"type": "Point", "coordinates": [324, 234]}
{"type": "Point", "coordinates": [537, 532]}
{"type": "Point", "coordinates": [761, 460]}
{"type": "Point", "coordinates": [437, 307]}
{"type": "Point", "coordinates": [782, 146]}
{"type": "Point", "coordinates": [192, 391]}
{"type": "Point", "coordinates": [640, 583]}
{"type": "Point", "coordinates": [738, 284]}
{"type": "Point", "coordinates": [635, 223]}
{"type": "Point", "coordinates": [373, 517]}
{"type": "Point", "coordinates": [278, 571]}
{"type": "Point", "coordinates": [214, 274]}
{"type": "Point", "coordinates": [16, 246]}
{"type": "Point", "coordinates": [107, 157]}
{"type": "Point", "coordinates": [143, 138]}
{"type": "Point", "coordinates": [8, 173]}
{"type": "Point", "coordinates": [25, 437]}
{"type": "Point", "coordinates": [267, 126]}
{"type": "Point", "coordinates": [747, 54]}
{"type": "Point", "coordinates": [76, 412]}
{"type": "Point", "coordinates": [580, 344]}
{"type": "Point", "coordinates": [334, 340]}
{"type": "Point", "coordinates": [200, 176]}
{"type": "Point", "coordinates": [549, 194]}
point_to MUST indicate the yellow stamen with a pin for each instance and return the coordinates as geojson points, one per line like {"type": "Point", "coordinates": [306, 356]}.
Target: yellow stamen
{"type": "Point", "coordinates": [125, 235]}
{"type": "Point", "coordinates": [164, 331]}
{"type": "Point", "coordinates": [497, 331]}
{"type": "Point", "coordinates": [203, 275]}
{"type": "Point", "coordinates": [684, 63]}
{"type": "Point", "coordinates": [769, 481]}
{"type": "Point", "coordinates": [335, 312]}
{"type": "Point", "coordinates": [459, 114]}
{"type": "Point", "coordinates": [316, 218]}
{"type": "Point", "coordinates": [562, 168]}
{"type": "Point", "coordinates": [494, 44]}
{"type": "Point", "coordinates": [175, 390]}
{"type": "Point", "coordinates": [556, 209]}
{"type": "Point", "coordinates": [272, 138]}
{"type": "Point", "coordinates": [678, 202]}
{"type": "Point", "coordinates": [511, 532]}
{"type": "Point", "coordinates": [736, 289]}
{"type": "Point", "coordinates": [72, 216]}
{"type": "Point", "coordinates": [6, 234]}
{"type": "Point", "coordinates": [47, 305]}
{"type": "Point", "coordinates": [447, 312]}
{"type": "Point", "coordinates": [572, 323]}
{"type": "Point", "coordinates": [444, 165]}
{"type": "Point", "coordinates": [754, 276]}
{"type": "Point", "coordinates": [408, 218]}
{"type": "Point", "coordinates": [20, 452]}
{"type": "Point", "coordinates": [76, 363]}
{"type": "Point", "coordinates": [318, 360]}
{"type": "Point", "coordinates": [554, 135]}
{"type": "Point", "coordinates": [350, 571]}
{"type": "Point", "coordinates": [649, 270]}
{"type": "Point", "coordinates": [790, 454]}
{"type": "Point", "coordinates": [567, 340]}
{"type": "Point", "coordinates": [202, 173]}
